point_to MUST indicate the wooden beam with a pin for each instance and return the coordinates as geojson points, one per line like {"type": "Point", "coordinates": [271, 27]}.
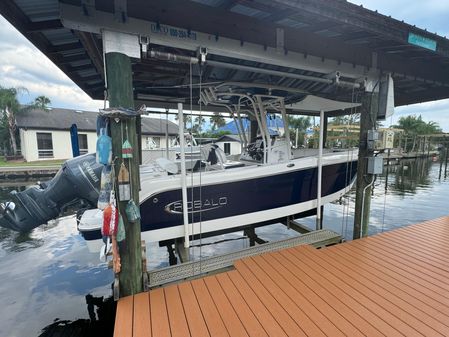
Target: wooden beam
{"type": "Point", "coordinates": [54, 49]}
{"type": "Point", "coordinates": [63, 60]}
{"type": "Point", "coordinates": [37, 27]}
{"type": "Point", "coordinates": [81, 67]}
{"type": "Point", "coordinates": [89, 42]}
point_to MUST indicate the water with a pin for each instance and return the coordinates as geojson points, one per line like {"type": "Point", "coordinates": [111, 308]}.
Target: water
{"type": "Point", "coordinates": [415, 193]}
{"type": "Point", "coordinates": [46, 275]}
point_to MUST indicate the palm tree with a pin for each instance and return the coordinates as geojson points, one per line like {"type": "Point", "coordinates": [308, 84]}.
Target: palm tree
{"type": "Point", "coordinates": [42, 102]}
{"type": "Point", "coordinates": [198, 124]}
{"type": "Point", "coordinates": [301, 124]}
{"type": "Point", "coordinates": [187, 120]}
{"type": "Point", "coordinates": [217, 121]}
{"type": "Point", "coordinates": [9, 106]}
{"type": "Point", "coordinates": [414, 126]}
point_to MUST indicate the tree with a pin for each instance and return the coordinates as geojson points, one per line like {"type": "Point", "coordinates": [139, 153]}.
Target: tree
{"type": "Point", "coordinates": [343, 131]}
{"type": "Point", "coordinates": [187, 120]}
{"type": "Point", "coordinates": [198, 124]}
{"type": "Point", "coordinates": [213, 134]}
{"type": "Point", "coordinates": [414, 126]}
{"type": "Point", "coordinates": [217, 121]}
{"type": "Point", "coordinates": [352, 119]}
{"type": "Point", "coordinates": [9, 106]}
{"type": "Point", "coordinates": [298, 123]}
{"type": "Point", "coordinates": [42, 102]}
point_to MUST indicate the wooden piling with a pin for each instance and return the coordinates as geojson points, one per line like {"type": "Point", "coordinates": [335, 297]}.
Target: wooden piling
{"type": "Point", "coordinates": [120, 94]}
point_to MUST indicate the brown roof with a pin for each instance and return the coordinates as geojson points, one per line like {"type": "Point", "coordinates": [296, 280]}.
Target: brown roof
{"type": "Point", "coordinates": [62, 119]}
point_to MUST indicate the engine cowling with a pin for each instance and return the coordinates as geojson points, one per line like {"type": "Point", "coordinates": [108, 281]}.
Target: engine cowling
{"type": "Point", "coordinates": [77, 180]}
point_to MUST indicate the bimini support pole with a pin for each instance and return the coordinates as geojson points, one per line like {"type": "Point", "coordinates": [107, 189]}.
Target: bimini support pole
{"type": "Point", "coordinates": [167, 151]}
{"type": "Point", "coordinates": [185, 211]}
{"type": "Point", "coordinates": [286, 128]}
{"type": "Point", "coordinates": [320, 171]}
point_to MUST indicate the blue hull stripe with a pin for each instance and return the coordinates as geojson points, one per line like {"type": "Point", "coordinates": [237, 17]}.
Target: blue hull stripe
{"type": "Point", "coordinates": [242, 197]}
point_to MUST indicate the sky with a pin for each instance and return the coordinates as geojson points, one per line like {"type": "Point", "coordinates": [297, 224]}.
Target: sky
{"type": "Point", "coordinates": [23, 65]}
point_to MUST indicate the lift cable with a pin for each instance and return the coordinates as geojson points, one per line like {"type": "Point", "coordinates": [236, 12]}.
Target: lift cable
{"type": "Point", "coordinates": [200, 118]}
{"type": "Point", "coordinates": [349, 168]}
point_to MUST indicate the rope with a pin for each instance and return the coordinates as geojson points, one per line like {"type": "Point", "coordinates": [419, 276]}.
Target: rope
{"type": "Point", "coordinates": [383, 214]}
{"type": "Point", "coordinates": [200, 185]}
{"type": "Point", "coordinates": [192, 215]}
{"type": "Point", "coordinates": [160, 128]}
{"type": "Point", "coordinates": [347, 179]}
{"type": "Point", "coordinates": [346, 205]}
{"type": "Point", "coordinates": [167, 141]}
{"type": "Point", "coordinates": [386, 190]}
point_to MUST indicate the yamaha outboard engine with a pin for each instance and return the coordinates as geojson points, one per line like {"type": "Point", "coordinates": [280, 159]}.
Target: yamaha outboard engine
{"type": "Point", "coordinates": [77, 180]}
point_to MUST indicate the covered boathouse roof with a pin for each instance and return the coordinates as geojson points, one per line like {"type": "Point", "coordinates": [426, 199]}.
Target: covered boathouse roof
{"type": "Point", "coordinates": [282, 43]}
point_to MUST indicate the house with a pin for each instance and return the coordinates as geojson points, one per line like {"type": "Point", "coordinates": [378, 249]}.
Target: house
{"type": "Point", "coordinates": [230, 144]}
{"type": "Point", "coordinates": [45, 134]}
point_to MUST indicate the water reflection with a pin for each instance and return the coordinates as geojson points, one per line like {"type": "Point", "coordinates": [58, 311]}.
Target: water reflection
{"type": "Point", "coordinates": [101, 314]}
{"type": "Point", "coordinates": [410, 175]}
{"type": "Point", "coordinates": [16, 242]}
{"type": "Point", "coordinates": [46, 277]}
{"type": "Point", "coordinates": [411, 193]}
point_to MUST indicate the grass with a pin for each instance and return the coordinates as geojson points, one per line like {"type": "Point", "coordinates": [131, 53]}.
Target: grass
{"type": "Point", "coordinates": [13, 163]}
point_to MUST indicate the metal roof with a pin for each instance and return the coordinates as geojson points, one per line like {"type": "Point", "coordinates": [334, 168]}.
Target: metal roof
{"type": "Point", "coordinates": [333, 30]}
{"type": "Point", "coordinates": [62, 119]}
{"type": "Point", "coordinates": [228, 138]}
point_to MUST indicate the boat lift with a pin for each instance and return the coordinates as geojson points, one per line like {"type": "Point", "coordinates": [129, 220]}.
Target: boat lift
{"type": "Point", "coordinates": [326, 48]}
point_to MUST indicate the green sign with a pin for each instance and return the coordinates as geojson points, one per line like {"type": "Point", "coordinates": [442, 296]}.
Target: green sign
{"type": "Point", "coordinates": [422, 41]}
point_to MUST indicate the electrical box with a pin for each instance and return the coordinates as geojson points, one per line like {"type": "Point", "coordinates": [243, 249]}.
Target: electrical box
{"type": "Point", "coordinates": [385, 140]}
{"type": "Point", "coordinates": [375, 165]}
{"type": "Point", "coordinates": [372, 137]}
{"type": "Point", "coordinates": [388, 139]}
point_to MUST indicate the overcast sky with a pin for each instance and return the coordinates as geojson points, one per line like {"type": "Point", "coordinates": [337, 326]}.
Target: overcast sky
{"type": "Point", "coordinates": [22, 65]}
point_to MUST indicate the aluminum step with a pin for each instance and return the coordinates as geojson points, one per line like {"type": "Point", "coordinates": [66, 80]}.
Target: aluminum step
{"type": "Point", "coordinates": [193, 269]}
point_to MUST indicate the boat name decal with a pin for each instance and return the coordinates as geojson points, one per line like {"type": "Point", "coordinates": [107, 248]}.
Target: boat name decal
{"type": "Point", "coordinates": [196, 206]}
{"type": "Point", "coordinates": [91, 172]}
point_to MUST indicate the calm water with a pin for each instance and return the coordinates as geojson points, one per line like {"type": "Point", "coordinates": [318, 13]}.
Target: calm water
{"type": "Point", "coordinates": [47, 277]}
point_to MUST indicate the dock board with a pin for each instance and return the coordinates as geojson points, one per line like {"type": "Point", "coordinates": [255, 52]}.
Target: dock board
{"type": "Point", "coordinates": [391, 284]}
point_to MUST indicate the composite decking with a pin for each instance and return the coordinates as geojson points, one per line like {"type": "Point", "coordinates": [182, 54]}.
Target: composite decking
{"type": "Point", "coordinates": [391, 284]}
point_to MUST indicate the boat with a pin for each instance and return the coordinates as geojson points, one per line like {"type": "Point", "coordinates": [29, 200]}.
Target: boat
{"type": "Point", "coordinates": [269, 181]}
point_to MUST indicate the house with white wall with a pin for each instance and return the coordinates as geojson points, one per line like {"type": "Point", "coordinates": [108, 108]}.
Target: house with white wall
{"type": "Point", "coordinates": [45, 134]}
{"type": "Point", "coordinates": [230, 144]}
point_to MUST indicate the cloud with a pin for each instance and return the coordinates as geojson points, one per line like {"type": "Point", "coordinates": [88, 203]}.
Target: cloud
{"type": "Point", "coordinates": [23, 65]}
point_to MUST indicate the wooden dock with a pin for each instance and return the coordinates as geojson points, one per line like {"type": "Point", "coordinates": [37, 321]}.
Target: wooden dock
{"type": "Point", "coordinates": [391, 284]}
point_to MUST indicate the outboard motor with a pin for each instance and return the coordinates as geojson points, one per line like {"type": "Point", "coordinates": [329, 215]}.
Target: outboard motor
{"type": "Point", "coordinates": [77, 180]}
